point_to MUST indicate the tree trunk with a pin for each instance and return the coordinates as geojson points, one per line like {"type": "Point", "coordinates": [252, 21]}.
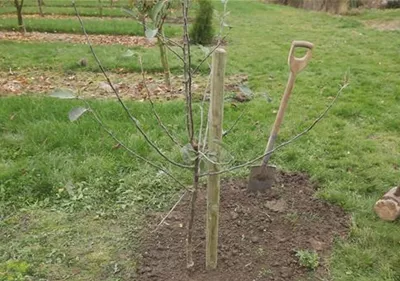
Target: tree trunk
{"type": "Point", "coordinates": [388, 207]}
{"type": "Point", "coordinates": [40, 2]}
{"type": "Point", "coordinates": [100, 9]}
{"type": "Point", "coordinates": [18, 6]}
{"type": "Point", "coordinates": [143, 20]}
{"type": "Point", "coordinates": [164, 58]}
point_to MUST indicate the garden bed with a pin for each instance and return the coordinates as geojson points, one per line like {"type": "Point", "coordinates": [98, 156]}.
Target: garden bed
{"type": "Point", "coordinates": [261, 236]}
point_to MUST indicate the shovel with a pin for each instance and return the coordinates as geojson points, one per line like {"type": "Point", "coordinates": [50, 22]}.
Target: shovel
{"type": "Point", "coordinates": [263, 177]}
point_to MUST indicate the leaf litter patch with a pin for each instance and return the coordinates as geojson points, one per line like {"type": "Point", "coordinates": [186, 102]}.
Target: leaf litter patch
{"type": "Point", "coordinates": [93, 85]}
{"type": "Point", "coordinates": [95, 39]}
{"type": "Point", "coordinates": [284, 234]}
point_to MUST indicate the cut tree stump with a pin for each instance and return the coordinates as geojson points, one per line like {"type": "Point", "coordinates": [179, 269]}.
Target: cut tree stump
{"type": "Point", "coordinates": [388, 207]}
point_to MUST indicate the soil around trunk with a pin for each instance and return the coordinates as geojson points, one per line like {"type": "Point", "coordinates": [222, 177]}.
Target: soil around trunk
{"type": "Point", "coordinates": [258, 238]}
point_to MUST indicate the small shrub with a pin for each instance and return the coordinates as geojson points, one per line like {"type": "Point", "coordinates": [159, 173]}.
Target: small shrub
{"type": "Point", "coordinates": [308, 259]}
{"type": "Point", "coordinates": [393, 4]}
{"type": "Point", "coordinates": [202, 31]}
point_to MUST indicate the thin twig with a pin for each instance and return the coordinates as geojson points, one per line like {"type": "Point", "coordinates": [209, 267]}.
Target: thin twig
{"type": "Point", "coordinates": [170, 211]}
{"type": "Point", "coordinates": [174, 52]}
{"type": "Point", "coordinates": [224, 134]}
{"type": "Point", "coordinates": [131, 117]}
{"type": "Point", "coordinates": [201, 123]}
{"type": "Point", "coordinates": [222, 22]}
{"type": "Point", "coordinates": [203, 101]}
{"type": "Point", "coordinates": [250, 162]}
{"type": "Point", "coordinates": [111, 134]}
{"type": "Point", "coordinates": [206, 57]}
{"type": "Point", "coordinates": [153, 109]}
{"type": "Point", "coordinates": [173, 42]}
{"type": "Point", "coordinates": [212, 161]}
{"type": "Point", "coordinates": [187, 74]}
{"type": "Point", "coordinates": [164, 40]}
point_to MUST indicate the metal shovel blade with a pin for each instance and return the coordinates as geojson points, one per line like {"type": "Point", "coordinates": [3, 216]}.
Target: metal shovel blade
{"type": "Point", "coordinates": [261, 178]}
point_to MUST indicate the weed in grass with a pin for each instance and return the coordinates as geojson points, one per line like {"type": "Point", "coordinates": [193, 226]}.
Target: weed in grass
{"type": "Point", "coordinates": [308, 259]}
{"type": "Point", "coordinates": [260, 251]}
{"type": "Point", "coordinates": [264, 272]}
{"type": "Point", "coordinates": [15, 270]}
{"type": "Point", "coordinates": [292, 217]}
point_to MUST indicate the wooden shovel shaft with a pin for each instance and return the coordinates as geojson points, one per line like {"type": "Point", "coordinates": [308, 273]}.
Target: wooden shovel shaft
{"type": "Point", "coordinates": [296, 65]}
{"type": "Point", "coordinates": [279, 117]}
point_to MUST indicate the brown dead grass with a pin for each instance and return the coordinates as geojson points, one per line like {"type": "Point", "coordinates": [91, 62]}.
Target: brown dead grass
{"type": "Point", "coordinates": [392, 25]}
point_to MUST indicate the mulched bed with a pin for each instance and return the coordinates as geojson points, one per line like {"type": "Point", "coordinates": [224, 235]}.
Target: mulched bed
{"type": "Point", "coordinates": [259, 235]}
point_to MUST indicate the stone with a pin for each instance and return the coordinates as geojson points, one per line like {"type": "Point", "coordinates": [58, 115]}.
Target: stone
{"type": "Point", "coordinates": [276, 205]}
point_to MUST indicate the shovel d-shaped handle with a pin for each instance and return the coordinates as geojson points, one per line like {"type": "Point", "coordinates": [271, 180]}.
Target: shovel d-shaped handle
{"type": "Point", "coordinates": [298, 64]}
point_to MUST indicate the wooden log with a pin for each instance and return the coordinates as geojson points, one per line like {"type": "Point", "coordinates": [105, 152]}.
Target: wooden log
{"type": "Point", "coordinates": [215, 120]}
{"type": "Point", "coordinates": [388, 207]}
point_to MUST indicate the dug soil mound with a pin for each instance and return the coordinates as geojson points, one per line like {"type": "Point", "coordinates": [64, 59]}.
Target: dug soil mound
{"type": "Point", "coordinates": [259, 235]}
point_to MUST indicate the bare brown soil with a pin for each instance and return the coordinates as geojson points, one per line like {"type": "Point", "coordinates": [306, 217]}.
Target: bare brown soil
{"type": "Point", "coordinates": [259, 235]}
{"type": "Point", "coordinates": [77, 38]}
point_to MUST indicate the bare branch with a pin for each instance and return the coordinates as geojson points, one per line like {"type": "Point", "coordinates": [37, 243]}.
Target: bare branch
{"type": "Point", "coordinates": [173, 51]}
{"type": "Point", "coordinates": [207, 56]}
{"type": "Point", "coordinates": [222, 21]}
{"type": "Point", "coordinates": [131, 117]}
{"type": "Point", "coordinates": [173, 42]}
{"type": "Point", "coordinates": [187, 74]}
{"type": "Point", "coordinates": [202, 116]}
{"type": "Point", "coordinates": [153, 109]}
{"type": "Point", "coordinates": [212, 161]}
{"type": "Point", "coordinates": [250, 162]}
{"type": "Point", "coordinates": [234, 124]}
{"type": "Point", "coordinates": [111, 134]}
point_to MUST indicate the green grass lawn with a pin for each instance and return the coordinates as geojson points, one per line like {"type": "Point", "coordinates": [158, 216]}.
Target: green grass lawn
{"type": "Point", "coordinates": [67, 3]}
{"type": "Point", "coordinates": [56, 176]}
{"type": "Point", "coordinates": [84, 11]}
{"type": "Point", "coordinates": [93, 26]}
{"type": "Point", "coordinates": [65, 57]}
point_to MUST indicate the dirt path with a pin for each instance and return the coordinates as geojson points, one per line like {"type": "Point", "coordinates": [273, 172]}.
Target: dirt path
{"type": "Point", "coordinates": [130, 85]}
{"type": "Point", "coordinates": [77, 38]}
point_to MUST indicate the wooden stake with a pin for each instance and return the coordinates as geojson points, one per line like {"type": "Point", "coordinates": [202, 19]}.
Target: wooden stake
{"type": "Point", "coordinates": [215, 120]}
{"type": "Point", "coordinates": [388, 207]}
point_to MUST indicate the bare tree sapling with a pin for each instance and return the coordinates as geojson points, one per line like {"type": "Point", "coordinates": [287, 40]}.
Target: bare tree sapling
{"type": "Point", "coordinates": [202, 143]}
